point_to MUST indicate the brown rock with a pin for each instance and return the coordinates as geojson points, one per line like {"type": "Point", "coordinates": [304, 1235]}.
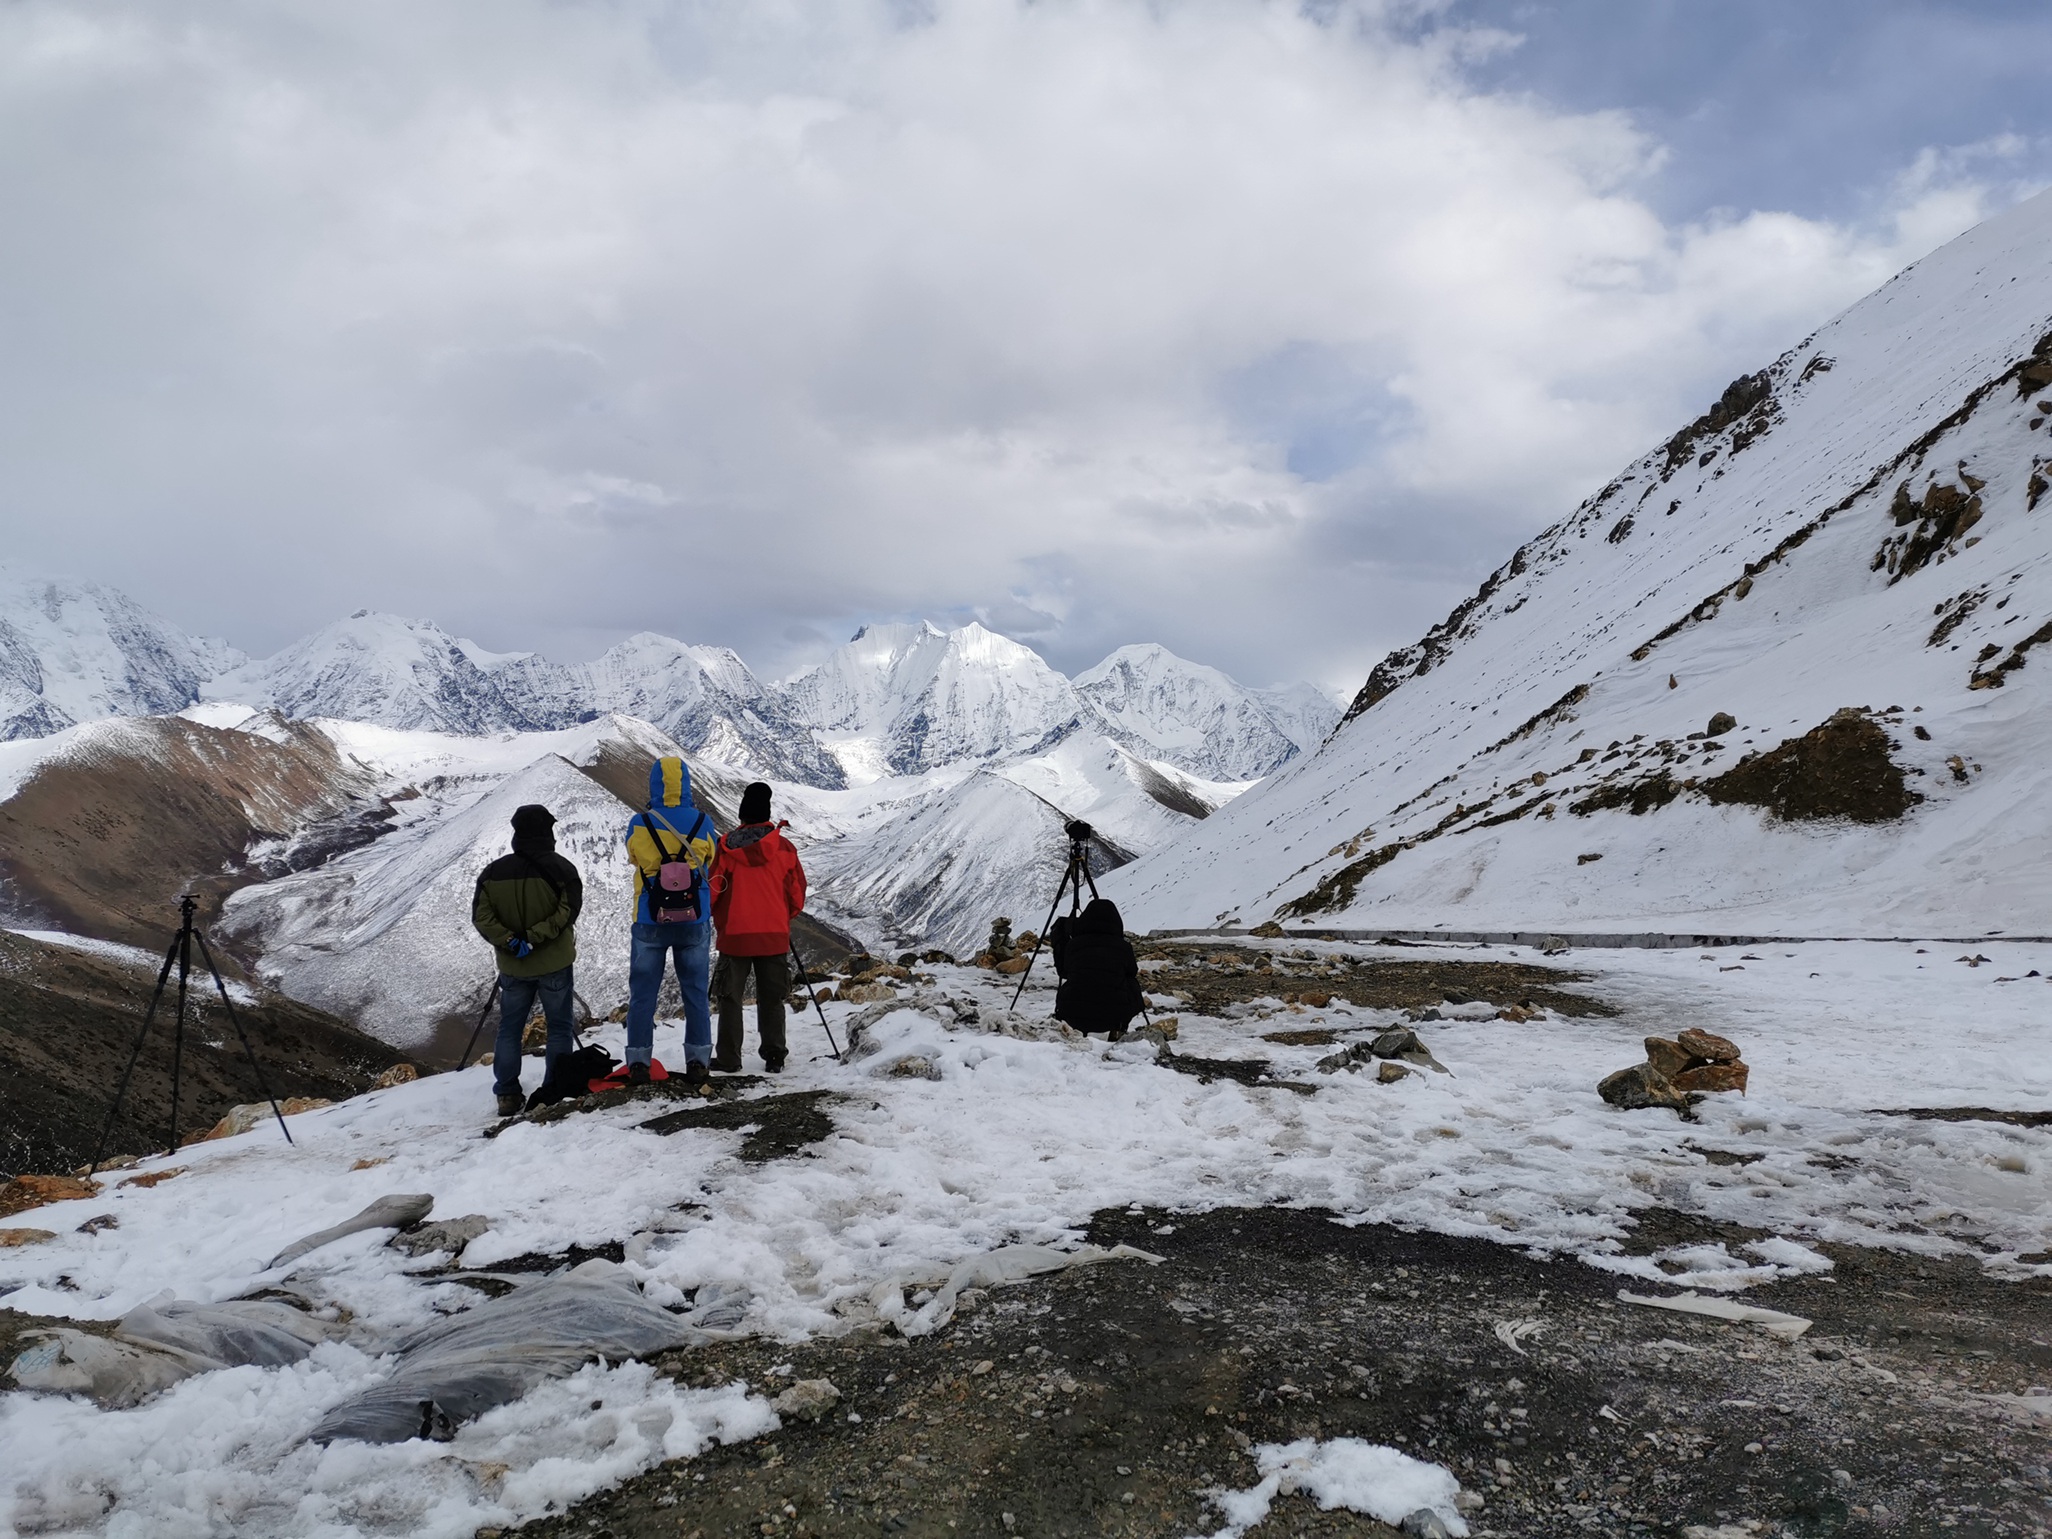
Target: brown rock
{"type": "Point", "coordinates": [241, 1119]}
{"type": "Point", "coordinates": [867, 993]}
{"type": "Point", "coordinates": [1316, 999]}
{"type": "Point", "coordinates": [1712, 1049]}
{"type": "Point", "coordinates": [1639, 1087]}
{"type": "Point", "coordinates": [25, 1192]}
{"type": "Point", "coordinates": [398, 1074]}
{"type": "Point", "coordinates": [1390, 1073]}
{"type": "Point", "coordinates": [10, 1238]}
{"type": "Point", "coordinates": [154, 1177]}
{"type": "Point", "coordinates": [1669, 1056]}
{"type": "Point", "coordinates": [1713, 1076]}
{"type": "Point", "coordinates": [1016, 965]}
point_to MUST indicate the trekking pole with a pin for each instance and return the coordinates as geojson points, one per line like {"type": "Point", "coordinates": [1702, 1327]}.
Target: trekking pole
{"type": "Point", "coordinates": [815, 1001]}
{"type": "Point", "coordinates": [471, 1046]}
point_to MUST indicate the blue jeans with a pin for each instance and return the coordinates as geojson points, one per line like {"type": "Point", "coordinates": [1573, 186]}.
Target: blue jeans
{"type": "Point", "coordinates": [516, 1003]}
{"type": "Point", "coordinates": [653, 945]}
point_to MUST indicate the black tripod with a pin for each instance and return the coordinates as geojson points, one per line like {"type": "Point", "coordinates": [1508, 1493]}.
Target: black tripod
{"type": "Point", "coordinates": [1074, 877]}
{"type": "Point", "coordinates": [180, 952]}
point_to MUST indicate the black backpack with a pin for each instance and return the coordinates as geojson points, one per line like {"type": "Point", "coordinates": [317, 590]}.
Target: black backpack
{"type": "Point", "coordinates": [571, 1075]}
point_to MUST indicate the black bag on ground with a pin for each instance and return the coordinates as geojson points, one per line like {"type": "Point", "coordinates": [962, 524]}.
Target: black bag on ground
{"type": "Point", "coordinates": [571, 1075]}
{"type": "Point", "coordinates": [1100, 987]}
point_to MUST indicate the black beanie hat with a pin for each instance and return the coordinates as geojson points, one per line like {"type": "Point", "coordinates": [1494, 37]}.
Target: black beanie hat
{"type": "Point", "coordinates": [533, 819]}
{"type": "Point", "coordinates": [755, 803]}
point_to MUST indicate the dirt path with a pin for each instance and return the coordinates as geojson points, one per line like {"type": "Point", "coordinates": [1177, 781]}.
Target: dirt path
{"type": "Point", "coordinates": [1107, 1400]}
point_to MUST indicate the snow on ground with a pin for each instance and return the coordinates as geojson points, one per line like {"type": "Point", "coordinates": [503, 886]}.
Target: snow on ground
{"type": "Point", "coordinates": [1022, 1138]}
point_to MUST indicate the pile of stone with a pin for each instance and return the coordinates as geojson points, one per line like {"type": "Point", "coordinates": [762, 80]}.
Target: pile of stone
{"type": "Point", "coordinates": [1688, 1064]}
{"type": "Point", "coordinates": [1401, 1044]}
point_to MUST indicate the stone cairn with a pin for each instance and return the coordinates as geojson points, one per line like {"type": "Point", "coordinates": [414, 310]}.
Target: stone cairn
{"type": "Point", "coordinates": [1690, 1063]}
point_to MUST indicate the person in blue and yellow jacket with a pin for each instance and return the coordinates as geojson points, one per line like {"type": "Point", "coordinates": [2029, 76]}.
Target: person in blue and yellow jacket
{"type": "Point", "coordinates": [671, 844]}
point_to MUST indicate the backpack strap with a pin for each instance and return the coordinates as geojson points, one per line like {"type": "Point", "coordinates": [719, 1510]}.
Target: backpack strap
{"type": "Point", "coordinates": [683, 843]}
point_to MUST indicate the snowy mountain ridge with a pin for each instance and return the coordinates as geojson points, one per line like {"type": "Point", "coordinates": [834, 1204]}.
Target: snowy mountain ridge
{"type": "Point", "coordinates": [1771, 679]}
{"type": "Point", "coordinates": [897, 699]}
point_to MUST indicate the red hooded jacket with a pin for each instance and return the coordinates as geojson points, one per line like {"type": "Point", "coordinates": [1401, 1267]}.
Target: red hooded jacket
{"type": "Point", "coordinates": [757, 885]}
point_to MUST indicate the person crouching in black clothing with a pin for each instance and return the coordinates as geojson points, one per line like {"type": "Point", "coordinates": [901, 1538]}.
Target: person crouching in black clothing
{"type": "Point", "coordinates": [1100, 987]}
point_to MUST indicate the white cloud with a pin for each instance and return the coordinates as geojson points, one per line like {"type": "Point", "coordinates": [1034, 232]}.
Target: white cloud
{"type": "Point", "coordinates": [1222, 324]}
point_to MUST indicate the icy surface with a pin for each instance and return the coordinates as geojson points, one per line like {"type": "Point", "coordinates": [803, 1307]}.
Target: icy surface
{"type": "Point", "coordinates": [1368, 1478]}
{"type": "Point", "coordinates": [1752, 569]}
{"type": "Point", "coordinates": [1019, 1141]}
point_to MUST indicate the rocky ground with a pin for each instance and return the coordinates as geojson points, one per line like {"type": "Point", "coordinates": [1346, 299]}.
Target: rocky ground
{"type": "Point", "coordinates": [1109, 1400]}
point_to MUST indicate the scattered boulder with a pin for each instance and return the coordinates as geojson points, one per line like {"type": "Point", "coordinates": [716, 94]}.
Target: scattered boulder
{"type": "Point", "coordinates": [1711, 1077]}
{"type": "Point", "coordinates": [1268, 931]}
{"type": "Point", "coordinates": [915, 1067]}
{"type": "Point", "coordinates": [1404, 1043]}
{"type": "Point", "coordinates": [241, 1119]}
{"type": "Point", "coordinates": [1689, 1064]}
{"type": "Point", "coordinates": [1162, 1030]}
{"type": "Point", "coordinates": [1316, 999]}
{"type": "Point", "coordinates": [1015, 965]}
{"type": "Point", "coordinates": [807, 1400]}
{"type": "Point", "coordinates": [1639, 1087]}
{"type": "Point", "coordinates": [398, 1074]}
{"type": "Point", "coordinates": [1708, 1046]}
{"type": "Point", "coordinates": [865, 993]}
{"type": "Point", "coordinates": [1721, 723]}
{"type": "Point", "coordinates": [10, 1239]}
{"type": "Point", "coordinates": [25, 1192]}
{"type": "Point", "coordinates": [1424, 1524]}
{"type": "Point", "coordinates": [1390, 1073]}
{"type": "Point", "coordinates": [451, 1235]}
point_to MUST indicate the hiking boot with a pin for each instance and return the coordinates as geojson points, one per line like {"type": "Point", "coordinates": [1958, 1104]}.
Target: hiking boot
{"type": "Point", "coordinates": [696, 1074]}
{"type": "Point", "coordinates": [637, 1074]}
{"type": "Point", "coordinates": [511, 1103]}
{"type": "Point", "coordinates": [726, 1065]}
{"type": "Point", "coordinates": [773, 1066]}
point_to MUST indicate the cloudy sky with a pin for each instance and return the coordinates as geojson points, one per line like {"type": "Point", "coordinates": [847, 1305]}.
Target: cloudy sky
{"type": "Point", "coordinates": [1263, 331]}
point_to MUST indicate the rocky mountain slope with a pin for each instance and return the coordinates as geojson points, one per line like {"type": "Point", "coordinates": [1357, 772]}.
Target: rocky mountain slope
{"type": "Point", "coordinates": [72, 652]}
{"type": "Point", "coordinates": [1774, 678]}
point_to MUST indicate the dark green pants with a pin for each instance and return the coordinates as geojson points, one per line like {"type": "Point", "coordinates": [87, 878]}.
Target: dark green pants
{"type": "Point", "coordinates": [729, 986]}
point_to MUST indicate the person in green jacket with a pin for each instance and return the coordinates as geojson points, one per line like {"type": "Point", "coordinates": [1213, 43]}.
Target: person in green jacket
{"type": "Point", "coordinates": [526, 905]}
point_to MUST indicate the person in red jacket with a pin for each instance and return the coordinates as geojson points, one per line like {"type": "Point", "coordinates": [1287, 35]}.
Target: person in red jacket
{"type": "Point", "coordinates": [757, 887]}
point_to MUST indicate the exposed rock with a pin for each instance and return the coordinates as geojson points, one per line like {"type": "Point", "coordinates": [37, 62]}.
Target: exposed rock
{"type": "Point", "coordinates": [398, 1074]}
{"type": "Point", "coordinates": [1720, 724]}
{"type": "Point", "coordinates": [807, 1400]}
{"type": "Point", "coordinates": [1403, 1043]}
{"type": "Point", "coordinates": [1316, 999]}
{"type": "Point", "coordinates": [1269, 930]}
{"type": "Point", "coordinates": [866, 993]}
{"type": "Point", "coordinates": [151, 1178]}
{"type": "Point", "coordinates": [1425, 1524]}
{"type": "Point", "coordinates": [1015, 965]}
{"type": "Point", "coordinates": [1669, 1056]}
{"type": "Point", "coordinates": [1390, 1073]}
{"type": "Point", "coordinates": [1639, 1087]}
{"type": "Point", "coordinates": [25, 1192]}
{"type": "Point", "coordinates": [915, 1067]}
{"type": "Point", "coordinates": [1839, 769]}
{"type": "Point", "coordinates": [12, 1238]}
{"type": "Point", "coordinates": [241, 1119]}
{"type": "Point", "coordinates": [1706, 1045]}
{"type": "Point", "coordinates": [1713, 1077]}
{"type": "Point", "coordinates": [451, 1235]}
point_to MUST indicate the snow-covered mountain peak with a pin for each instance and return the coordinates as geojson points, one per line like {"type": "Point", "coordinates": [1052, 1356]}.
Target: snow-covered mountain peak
{"type": "Point", "coordinates": [1193, 716]}
{"type": "Point", "coordinates": [73, 651]}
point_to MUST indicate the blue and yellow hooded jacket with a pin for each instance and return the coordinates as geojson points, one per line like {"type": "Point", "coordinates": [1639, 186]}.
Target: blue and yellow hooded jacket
{"type": "Point", "coordinates": [669, 795]}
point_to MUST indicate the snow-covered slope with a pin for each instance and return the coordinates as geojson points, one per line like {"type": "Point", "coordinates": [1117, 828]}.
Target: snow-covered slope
{"type": "Point", "coordinates": [72, 652]}
{"type": "Point", "coordinates": [934, 867]}
{"type": "Point", "coordinates": [1190, 715]}
{"type": "Point", "coordinates": [1864, 528]}
{"type": "Point", "coordinates": [383, 669]}
{"type": "Point", "coordinates": [381, 935]}
{"type": "Point", "coordinates": [704, 698]}
{"type": "Point", "coordinates": [901, 699]}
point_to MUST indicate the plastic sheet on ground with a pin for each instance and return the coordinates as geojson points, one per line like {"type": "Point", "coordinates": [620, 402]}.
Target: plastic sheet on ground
{"type": "Point", "coordinates": [1773, 1321]}
{"type": "Point", "coordinates": [399, 1210]}
{"type": "Point", "coordinates": [164, 1341]}
{"type": "Point", "coordinates": [1007, 1264]}
{"type": "Point", "coordinates": [461, 1367]}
